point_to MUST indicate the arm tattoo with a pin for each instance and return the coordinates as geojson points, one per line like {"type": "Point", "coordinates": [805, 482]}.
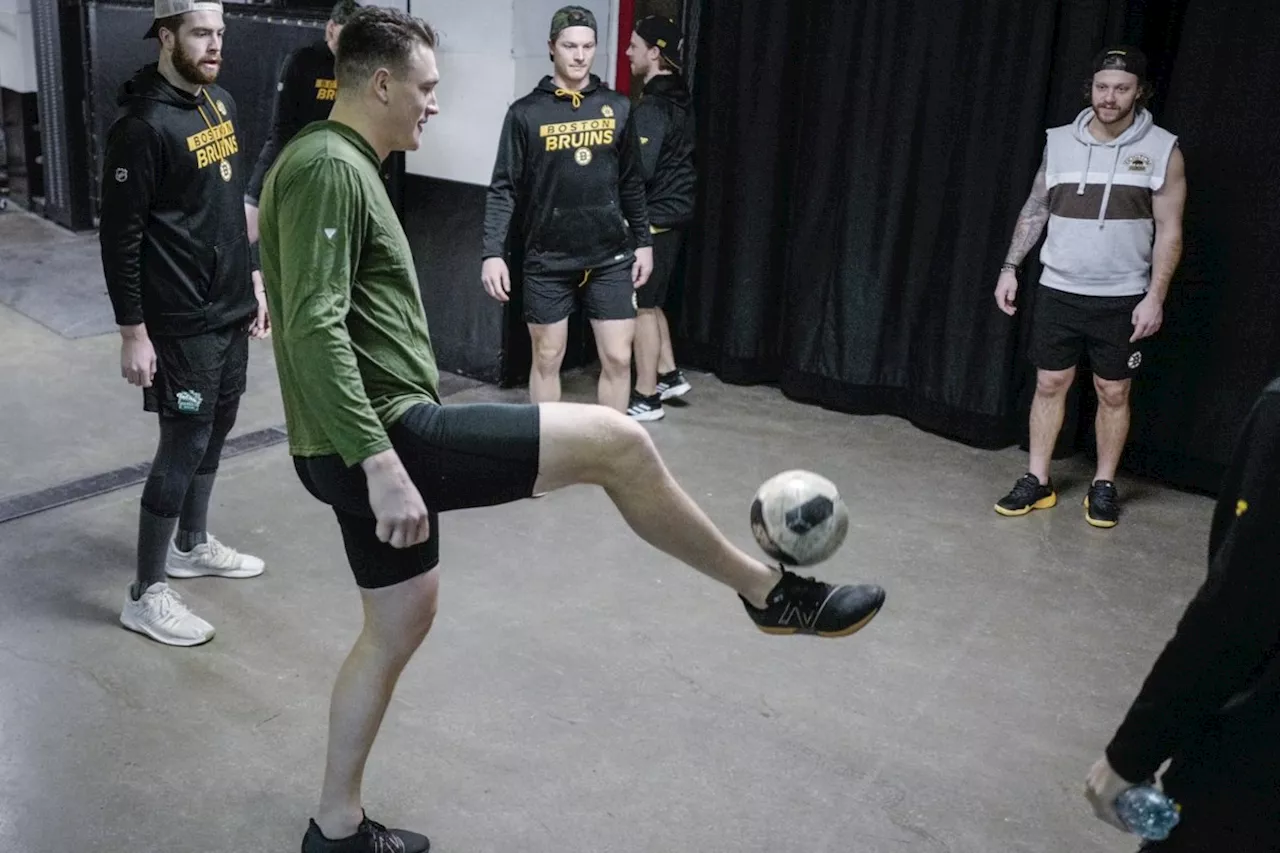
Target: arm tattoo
{"type": "Point", "coordinates": [1031, 221]}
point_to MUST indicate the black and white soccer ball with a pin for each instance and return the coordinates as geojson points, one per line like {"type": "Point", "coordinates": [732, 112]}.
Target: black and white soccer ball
{"type": "Point", "coordinates": [799, 518]}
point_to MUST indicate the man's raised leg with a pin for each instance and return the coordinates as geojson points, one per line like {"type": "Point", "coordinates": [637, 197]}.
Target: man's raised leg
{"type": "Point", "coordinates": [596, 445]}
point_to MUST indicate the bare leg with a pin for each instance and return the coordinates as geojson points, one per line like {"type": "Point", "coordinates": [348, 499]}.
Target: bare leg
{"type": "Point", "coordinates": [396, 619]}
{"type": "Point", "coordinates": [648, 349]}
{"type": "Point", "coordinates": [614, 339]}
{"type": "Point", "coordinates": [666, 355]}
{"type": "Point", "coordinates": [1111, 424]}
{"type": "Point", "coordinates": [549, 344]}
{"type": "Point", "coordinates": [592, 444]}
{"type": "Point", "coordinates": [1047, 410]}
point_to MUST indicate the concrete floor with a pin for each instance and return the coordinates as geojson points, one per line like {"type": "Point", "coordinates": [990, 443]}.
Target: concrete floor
{"type": "Point", "coordinates": [580, 692]}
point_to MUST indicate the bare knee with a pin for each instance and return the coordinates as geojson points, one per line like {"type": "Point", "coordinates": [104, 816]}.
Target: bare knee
{"type": "Point", "coordinates": [617, 448]}
{"type": "Point", "coordinates": [548, 354]}
{"type": "Point", "coordinates": [1112, 394]}
{"type": "Point", "coordinates": [1054, 383]}
{"type": "Point", "coordinates": [615, 360]}
{"type": "Point", "coordinates": [397, 618]}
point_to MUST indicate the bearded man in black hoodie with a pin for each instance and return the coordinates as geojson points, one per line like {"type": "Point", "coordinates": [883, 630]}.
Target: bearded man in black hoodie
{"type": "Point", "coordinates": [178, 267]}
{"type": "Point", "coordinates": [664, 123]}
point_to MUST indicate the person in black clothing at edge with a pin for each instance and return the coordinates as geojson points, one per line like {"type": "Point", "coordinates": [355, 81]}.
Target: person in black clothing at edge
{"type": "Point", "coordinates": [664, 123]}
{"type": "Point", "coordinates": [1211, 702]}
{"type": "Point", "coordinates": [176, 258]}
{"type": "Point", "coordinates": [568, 160]}
{"type": "Point", "coordinates": [305, 93]}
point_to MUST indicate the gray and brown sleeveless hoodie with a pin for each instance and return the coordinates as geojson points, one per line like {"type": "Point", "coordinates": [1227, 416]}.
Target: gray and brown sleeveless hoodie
{"type": "Point", "coordinates": [1101, 227]}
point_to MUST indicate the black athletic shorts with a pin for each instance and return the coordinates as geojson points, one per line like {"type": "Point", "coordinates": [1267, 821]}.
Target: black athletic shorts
{"type": "Point", "coordinates": [196, 375]}
{"type": "Point", "coordinates": [666, 250]}
{"type": "Point", "coordinates": [460, 457]}
{"type": "Point", "coordinates": [1065, 324]}
{"type": "Point", "coordinates": [607, 293]}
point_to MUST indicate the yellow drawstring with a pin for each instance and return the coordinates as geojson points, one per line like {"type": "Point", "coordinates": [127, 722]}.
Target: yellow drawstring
{"type": "Point", "coordinates": [566, 93]}
{"type": "Point", "coordinates": [586, 275]}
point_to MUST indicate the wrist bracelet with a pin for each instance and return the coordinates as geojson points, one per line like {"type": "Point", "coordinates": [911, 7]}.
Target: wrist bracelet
{"type": "Point", "coordinates": [1008, 266]}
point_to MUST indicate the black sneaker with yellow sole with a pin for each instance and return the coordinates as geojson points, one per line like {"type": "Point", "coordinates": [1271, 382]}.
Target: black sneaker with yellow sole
{"type": "Point", "coordinates": [1102, 504]}
{"type": "Point", "coordinates": [1027, 494]}
{"type": "Point", "coordinates": [370, 837]}
{"type": "Point", "coordinates": [801, 605]}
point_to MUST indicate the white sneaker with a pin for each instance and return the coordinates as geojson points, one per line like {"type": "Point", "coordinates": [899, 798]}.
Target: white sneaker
{"type": "Point", "coordinates": [161, 615]}
{"type": "Point", "coordinates": [211, 558]}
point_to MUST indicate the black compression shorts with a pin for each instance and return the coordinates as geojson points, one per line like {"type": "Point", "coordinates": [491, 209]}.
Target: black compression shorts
{"type": "Point", "coordinates": [460, 457]}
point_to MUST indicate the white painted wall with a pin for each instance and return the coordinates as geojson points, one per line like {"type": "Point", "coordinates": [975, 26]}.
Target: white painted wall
{"type": "Point", "coordinates": [491, 53]}
{"type": "Point", "coordinates": [17, 46]}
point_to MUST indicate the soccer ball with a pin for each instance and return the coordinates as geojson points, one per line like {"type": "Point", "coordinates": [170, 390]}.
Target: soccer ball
{"type": "Point", "coordinates": [799, 518]}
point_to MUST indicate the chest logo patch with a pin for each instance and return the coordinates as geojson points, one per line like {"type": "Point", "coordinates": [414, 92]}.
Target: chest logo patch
{"type": "Point", "coordinates": [1138, 163]}
{"type": "Point", "coordinates": [222, 108]}
{"type": "Point", "coordinates": [122, 175]}
{"type": "Point", "coordinates": [225, 170]}
{"type": "Point", "coordinates": [582, 156]}
{"type": "Point", "coordinates": [606, 111]}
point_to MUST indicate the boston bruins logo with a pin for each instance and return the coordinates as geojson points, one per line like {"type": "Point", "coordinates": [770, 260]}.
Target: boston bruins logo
{"type": "Point", "coordinates": [222, 108]}
{"type": "Point", "coordinates": [225, 170]}
{"type": "Point", "coordinates": [606, 111]}
{"type": "Point", "coordinates": [582, 156]}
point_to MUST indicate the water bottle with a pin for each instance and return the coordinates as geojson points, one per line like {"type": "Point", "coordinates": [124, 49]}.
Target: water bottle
{"type": "Point", "coordinates": [1147, 812]}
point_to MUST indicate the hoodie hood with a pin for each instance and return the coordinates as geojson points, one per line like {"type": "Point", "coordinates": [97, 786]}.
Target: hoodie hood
{"type": "Point", "coordinates": [148, 84]}
{"type": "Point", "coordinates": [671, 87]}
{"type": "Point", "coordinates": [548, 85]}
{"type": "Point", "coordinates": [1142, 122]}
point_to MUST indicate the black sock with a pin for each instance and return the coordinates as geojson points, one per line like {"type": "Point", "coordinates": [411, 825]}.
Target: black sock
{"type": "Point", "coordinates": [195, 512]}
{"type": "Point", "coordinates": [154, 533]}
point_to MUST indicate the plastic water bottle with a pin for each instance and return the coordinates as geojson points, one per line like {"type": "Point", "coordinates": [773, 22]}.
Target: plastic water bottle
{"type": "Point", "coordinates": [1147, 812]}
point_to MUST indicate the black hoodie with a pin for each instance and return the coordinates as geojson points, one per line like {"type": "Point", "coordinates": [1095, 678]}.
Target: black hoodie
{"type": "Point", "coordinates": [664, 123]}
{"type": "Point", "coordinates": [570, 162]}
{"type": "Point", "coordinates": [174, 245]}
{"type": "Point", "coordinates": [1212, 700]}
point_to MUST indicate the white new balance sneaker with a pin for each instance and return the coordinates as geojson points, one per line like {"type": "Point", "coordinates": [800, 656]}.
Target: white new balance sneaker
{"type": "Point", "coordinates": [162, 616]}
{"type": "Point", "coordinates": [211, 559]}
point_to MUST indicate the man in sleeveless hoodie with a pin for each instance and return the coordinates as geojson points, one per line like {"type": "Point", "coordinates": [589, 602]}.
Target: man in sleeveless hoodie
{"type": "Point", "coordinates": [175, 254]}
{"type": "Point", "coordinates": [1111, 189]}
{"type": "Point", "coordinates": [568, 160]}
{"type": "Point", "coordinates": [664, 123]}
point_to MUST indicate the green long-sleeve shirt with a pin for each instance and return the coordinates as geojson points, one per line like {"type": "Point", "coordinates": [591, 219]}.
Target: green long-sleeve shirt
{"type": "Point", "coordinates": [350, 335]}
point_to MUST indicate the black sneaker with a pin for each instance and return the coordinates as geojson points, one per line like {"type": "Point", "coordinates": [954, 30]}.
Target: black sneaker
{"type": "Point", "coordinates": [800, 605]}
{"type": "Point", "coordinates": [1102, 504]}
{"type": "Point", "coordinates": [1028, 494]}
{"type": "Point", "coordinates": [371, 837]}
{"type": "Point", "coordinates": [673, 384]}
{"type": "Point", "coordinates": [645, 408]}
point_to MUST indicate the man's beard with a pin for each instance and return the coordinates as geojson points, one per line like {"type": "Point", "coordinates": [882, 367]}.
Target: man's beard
{"type": "Point", "coordinates": [1120, 115]}
{"type": "Point", "coordinates": [189, 69]}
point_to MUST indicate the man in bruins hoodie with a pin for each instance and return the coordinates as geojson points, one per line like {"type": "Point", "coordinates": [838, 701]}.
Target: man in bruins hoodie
{"type": "Point", "coordinates": [568, 161]}
{"type": "Point", "coordinates": [175, 253]}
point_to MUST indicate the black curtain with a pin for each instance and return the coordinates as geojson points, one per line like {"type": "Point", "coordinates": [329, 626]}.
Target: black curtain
{"type": "Point", "coordinates": [862, 163]}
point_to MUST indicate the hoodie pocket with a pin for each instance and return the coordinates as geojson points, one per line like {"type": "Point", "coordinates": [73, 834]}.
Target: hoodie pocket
{"type": "Point", "coordinates": [231, 278]}
{"type": "Point", "coordinates": [581, 232]}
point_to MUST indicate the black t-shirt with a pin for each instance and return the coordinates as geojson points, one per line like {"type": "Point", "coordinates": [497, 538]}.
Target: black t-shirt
{"type": "Point", "coordinates": [305, 91]}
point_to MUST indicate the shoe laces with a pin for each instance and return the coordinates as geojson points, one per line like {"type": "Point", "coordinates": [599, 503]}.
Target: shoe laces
{"type": "Point", "coordinates": [219, 555]}
{"type": "Point", "coordinates": [800, 589]}
{"type": "Point", "coordinates": [1102, 495]}
{"type": "Point", "coordinates": [168, 606]}
{"type": "Point", "coordinates": [381, 838]}
{"type": "Point", "coordinates": [1026, 488]}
